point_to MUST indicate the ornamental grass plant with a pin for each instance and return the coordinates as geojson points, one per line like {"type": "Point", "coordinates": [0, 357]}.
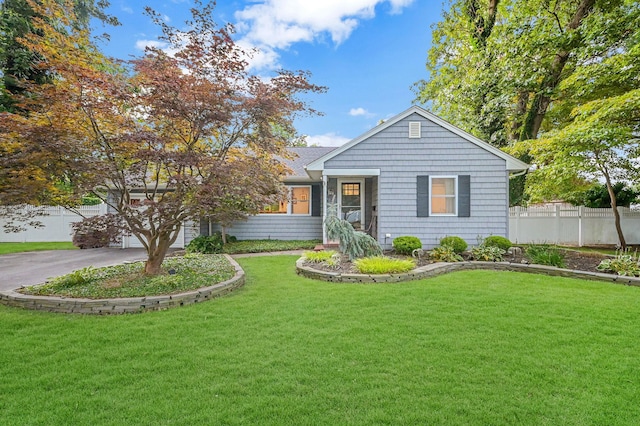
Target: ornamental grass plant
{"type": "Point", "coordinates": [383, 265]}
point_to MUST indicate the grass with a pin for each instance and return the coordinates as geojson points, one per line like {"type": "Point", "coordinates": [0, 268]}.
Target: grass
{"type": "Point", "coordinates": [473, 347]}
{"type": "Point", "coordinates": [6, 248]}
{"type": "Point", "coordinates": [179, 274]}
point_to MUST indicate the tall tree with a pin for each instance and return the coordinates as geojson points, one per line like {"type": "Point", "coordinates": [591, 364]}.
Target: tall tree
{"type": "Point", "coordinates": [190, 132]}
{"type": "Point", "coordinates": [501, 81]}
{"type": "Point", "coordinates": [594, 127]}
{"type": "Point", "coordinates": [17, 62]}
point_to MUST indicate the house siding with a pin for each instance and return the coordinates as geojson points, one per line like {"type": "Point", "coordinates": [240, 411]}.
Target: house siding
{"type": "Point", "coordinates": [279, 226]}
{"type": "Point", "coordinates": [276, 227]}
{"type": "Point", "coordinates": [437, 152]}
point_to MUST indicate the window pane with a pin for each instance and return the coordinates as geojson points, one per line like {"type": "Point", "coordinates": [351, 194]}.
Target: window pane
{"type": "Point", "coordinates": [350, 204]}
{"type": "Point", "coordinates": [443, 186]}
{"type": "Point", "coordinates": [300, 200]}
{"type": "Point", "coordinates": [443, 196]}
{"type": "Point", "coordinates": [277, 208]}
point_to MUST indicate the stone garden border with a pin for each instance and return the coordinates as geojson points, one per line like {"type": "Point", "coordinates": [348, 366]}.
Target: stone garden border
{"type": "Point", "coordinates": [435, 269]}
{"type": "Point", "coordinates": [70, 305]}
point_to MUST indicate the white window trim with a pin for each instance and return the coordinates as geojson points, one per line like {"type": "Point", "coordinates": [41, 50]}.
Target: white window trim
{"type": "Point", "coordinates": [289, 203]}
{"type": "Point", "coordinates": [363, 225]}
{"type": "Point", "coordinates": [455, 197]}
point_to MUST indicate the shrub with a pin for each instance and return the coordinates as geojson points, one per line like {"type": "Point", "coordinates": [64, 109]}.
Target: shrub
{"type": "Point", "coordinates": [97, 231]}
{"type": "Point", "coordinates": [497, 241]}
{"type": "Point", "coordinates": [445, 254]}
{"type": "Point", "coordinates": [406, 244]}
{"type": "Point", "coordinates": [456, 243]}
{"type": "Point", "coordinates": [261, 246]}
{"type": "Point", "coordinates": [487, 253]}
{"type": "Point", "coordinates": [545, 254]}
{"type": "Point", "coordinates": [319, 256]}
{"type": "Point", "coordinates": [207, 244]}
{"type": "Point", "coordinates": [353, 243]}
{"type": "Point", "coordinates": [624, 264]}
{"type": "Point", "coordinates": [383, 265]}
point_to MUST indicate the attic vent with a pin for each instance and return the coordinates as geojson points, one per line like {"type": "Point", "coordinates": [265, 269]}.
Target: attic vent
{"type": "Point", "coordinates": [414, 129]}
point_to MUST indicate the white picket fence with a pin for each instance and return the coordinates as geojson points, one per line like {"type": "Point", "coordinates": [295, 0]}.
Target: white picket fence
{"type": "Point", "coordinates": [579, 226]}
{"type": "Point", "coordinates": [556, 224]}
{"type": "Point", "coordinates": [57, 224]}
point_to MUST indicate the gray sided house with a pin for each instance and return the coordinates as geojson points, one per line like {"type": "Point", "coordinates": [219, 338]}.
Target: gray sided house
{"type": "Point", "coordinates": [414, 174]}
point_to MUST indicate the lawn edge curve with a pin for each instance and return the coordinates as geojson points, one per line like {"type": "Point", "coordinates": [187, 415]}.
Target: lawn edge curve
{"type": "Point", "coordinates": [72, 305]}
{"type": "Point", "coordinates": [435, 269]}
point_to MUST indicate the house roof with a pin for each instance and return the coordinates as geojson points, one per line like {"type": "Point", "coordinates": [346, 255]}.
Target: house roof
{"type": "Point", "coordinates": [302, 157]}
{"type": "Point", "coordinates": [513, 164]}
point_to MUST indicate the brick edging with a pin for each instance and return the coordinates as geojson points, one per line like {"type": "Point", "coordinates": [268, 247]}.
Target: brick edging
{"type": "Point", "coordinates": [435, 269]}
{"type": "Point", "coordinates": [123, 305]}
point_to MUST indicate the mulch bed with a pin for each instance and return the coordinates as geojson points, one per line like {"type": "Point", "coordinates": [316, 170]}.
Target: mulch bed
{"type": "Point", "coordinates": [573, 259]}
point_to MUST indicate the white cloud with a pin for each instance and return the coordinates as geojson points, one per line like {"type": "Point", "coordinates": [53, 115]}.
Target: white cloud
{"type": "Point", "coordinates": [259, 59]}
{"type": "Point", "coordinates": [277, 24]}
{"type": "Point", "coordinates": [328, 139]}
{"type": "Point", "coordinates": [355, 112]}
{"type": "Point", "coordinates": [166, 18]}
{"type": "Point", "coordinates": [142, 44]}
{"type": "Point", "coordinates": [127, 9]}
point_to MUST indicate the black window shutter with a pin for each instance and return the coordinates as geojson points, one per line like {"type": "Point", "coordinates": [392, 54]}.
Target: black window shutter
{"type": "Point", "coordinates": [464, 196]}
{"type": "Point", "coordinates": [316, 200]}
{"type": "Point", "coordinates": [422, 196]}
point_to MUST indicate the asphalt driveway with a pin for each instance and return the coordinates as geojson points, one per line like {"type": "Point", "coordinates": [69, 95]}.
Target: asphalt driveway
{"type": "Point", "coordinates": [20, 269]}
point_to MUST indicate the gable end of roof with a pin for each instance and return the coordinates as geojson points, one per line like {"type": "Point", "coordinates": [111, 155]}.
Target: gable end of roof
{"type": "Point", "coordinates": [513, 164]}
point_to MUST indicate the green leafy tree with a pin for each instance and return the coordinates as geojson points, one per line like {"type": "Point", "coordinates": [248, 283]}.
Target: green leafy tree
{"type": "Point", "coordinates": [496, 68]}
{"type": "Point", "coordinates": [18, 63]}
{"type": "Point", "coordinates": [598, 197]}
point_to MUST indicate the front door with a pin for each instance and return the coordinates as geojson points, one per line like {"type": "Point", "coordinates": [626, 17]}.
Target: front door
{"type": "Point", "coordinates": [351, 202]}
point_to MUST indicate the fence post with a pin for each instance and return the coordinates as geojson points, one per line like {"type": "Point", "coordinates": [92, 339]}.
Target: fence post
{"type": "Point", "coordinates": [580, 236]}
{"type": "Point", "coordinates": [557, 223]}
{"type": "Point", "coordinates": [517, 224]}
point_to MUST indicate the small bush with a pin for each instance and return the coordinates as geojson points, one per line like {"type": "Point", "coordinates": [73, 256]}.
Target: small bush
{"type": "Point", "coordinates": [97, 231]}
{"type": "Point", "coordinates": [206, 244]}
{"type": "Point", "coordinates": [406, 244]}
{"type": "Point", "coordinates": [497, 241]}
{"type": "Point", "coordinates": [624, 264]}
{"type": "Point", "coordinates": [319, 256]}
{"type": "Point", "coordinates": [445, 254]}
{"type": "Point", "coordinates": [456, 243]}
{"type": "Point", "coordinates": [487, 253]}
{"type": "Point", "coordinates": [545, 254]}
{"type": "Point", "coordinates": [383, 265]}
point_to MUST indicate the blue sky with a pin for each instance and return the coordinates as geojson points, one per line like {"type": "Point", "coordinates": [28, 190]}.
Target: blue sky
{"type": "Point", "coordinates": [367, 52]}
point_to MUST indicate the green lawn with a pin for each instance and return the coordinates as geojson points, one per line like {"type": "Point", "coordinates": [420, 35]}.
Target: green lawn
{"type": "Point", "coordinates": [20, 247]}
{"type": "Point", "coordinates": [473, 347]}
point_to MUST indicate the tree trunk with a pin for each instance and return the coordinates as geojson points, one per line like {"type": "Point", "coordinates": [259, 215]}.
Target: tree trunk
{"type": "Point", "coordinates": [223, 233]}
{"type": "Point", "coordinates": [614, 207]}
{"type": "Point", "coordinates": [542, 99]}
{"type": "Point", "coordinates": [483, 27]}
{"type": "Point", "coordinates": [158, 251]}
{"type": "Point", "coordinates": [521, 110]}
{"type": "Point", "coordinates": [153, 265]}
